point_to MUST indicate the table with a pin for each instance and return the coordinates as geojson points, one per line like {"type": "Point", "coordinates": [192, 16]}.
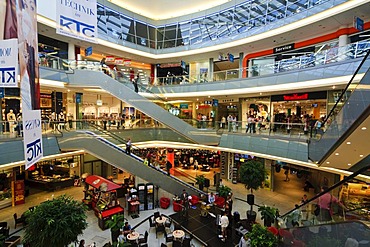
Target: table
{"type": "Point", "coordinates": [133, 236]}
{"type": "Point", "coordinates": [160, 220]}
{"type": "Point", "coordinates": [178, 234]}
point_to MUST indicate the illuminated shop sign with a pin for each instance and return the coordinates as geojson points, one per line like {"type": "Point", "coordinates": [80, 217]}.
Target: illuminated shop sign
{"type": "Point", "coordinates": [284, 48]}
{"type": "Point", "coordinates": [299, 96]}
{"type": "Point", "coordinates": [296, 97]}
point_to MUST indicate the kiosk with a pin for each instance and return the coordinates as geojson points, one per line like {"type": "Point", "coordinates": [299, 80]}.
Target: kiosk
{"type": "Point", "coordinates": [101, 196]}
{"type": "Point", "coordinates": [141, 194]}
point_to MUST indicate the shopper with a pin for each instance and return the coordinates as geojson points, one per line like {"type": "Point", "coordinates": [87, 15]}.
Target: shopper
{"type": "Point", "coordinates": [82, 243]}
{"type": "Point", "coordinates": [128, 146]}
{"type": "Point", "coordinates": [224, 225]}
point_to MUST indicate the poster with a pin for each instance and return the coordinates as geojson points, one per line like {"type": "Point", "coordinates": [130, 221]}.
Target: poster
{"type": "Point", "coordinates": [77, 19]}
{"type": "Point", "coordinates": [8, 63]}
{"type": "Point", "coordinates": [32, 137]}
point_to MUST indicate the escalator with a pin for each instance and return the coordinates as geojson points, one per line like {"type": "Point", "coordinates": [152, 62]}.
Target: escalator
{"type": "Point", "coordinates": [85, 78]}
{"type": "Point", "coordinates": [116, 156]}
{"type": "Point", "coordinates": [350, 112]}
{"type": "Point", "coordinates": [336, 225]}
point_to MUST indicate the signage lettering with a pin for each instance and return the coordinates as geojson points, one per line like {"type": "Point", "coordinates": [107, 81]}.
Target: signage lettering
{"type": "Point", "coordinates": [80, 26]}
{"type": "Point", "coordinates": [284, 48]}
{"type": "Point", "coordinates": [34, 149]}
{"type": "Point", "coordinates": [296, 97]}
{"type": "Point", "coordinates": [8, 75]}
{"type": "Point", "coordinates": [32, 124]}
{"type": "Point", "coordinates": [77, 6]}
{"type": "Point", "coordinates": [5, 52]}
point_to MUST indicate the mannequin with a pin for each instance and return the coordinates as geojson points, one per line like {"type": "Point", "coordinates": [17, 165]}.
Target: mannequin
{"type": "Point", "coordinates": [61, 120]}
{"type": "Point", "coordinates": [11, 119]}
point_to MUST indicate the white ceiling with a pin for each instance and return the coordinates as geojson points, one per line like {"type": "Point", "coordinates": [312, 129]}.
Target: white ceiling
{"type": "Point", "coordinates": [165, 9]}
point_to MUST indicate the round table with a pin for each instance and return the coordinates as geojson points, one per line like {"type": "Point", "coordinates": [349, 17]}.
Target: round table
{"type": "Point", "coordinates": [161, 220]}
{"type": "Point", "coordinates": [178, 234]}
{"type": "Point", "coordinates": [132, 236]}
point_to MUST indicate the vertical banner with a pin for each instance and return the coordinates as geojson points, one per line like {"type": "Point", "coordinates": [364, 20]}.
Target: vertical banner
{"type": "Point", "coordinates": [28, 54]}
{"type": "Point", "coordinates": [9, 63]}
{"type": "Point", "coordinates": [32, 137]}
{"type": "Point", "coordinates": [77, 19]}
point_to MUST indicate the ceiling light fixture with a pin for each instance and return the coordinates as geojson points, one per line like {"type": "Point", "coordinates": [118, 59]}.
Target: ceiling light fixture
{"type": "Point", "coordinates": [361, 155]}
{"type": "Point", "coordinates": [349, 164]}
{"type": "Point", "coordinates": [337, 154]}
{"type": "Point", "coordinates": [327, 162]}
{"type": "Point", "coordinates": [348, 143]}
{"type": "Point", "coordinates": [363, 128]}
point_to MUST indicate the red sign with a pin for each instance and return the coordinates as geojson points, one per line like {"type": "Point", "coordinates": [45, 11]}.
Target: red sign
{"type": "Point", "coordinates": [19, 192]}
{"type": "Point", "coordinates": [296, 97]}
{"type": "Point", "coordinates": [109, 59]}
{"type": "Point", "coordinates": [118, 61]}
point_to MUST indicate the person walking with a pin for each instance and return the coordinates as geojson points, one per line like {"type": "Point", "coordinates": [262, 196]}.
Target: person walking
{"type": "Point", "coordinates": [168, 167]}
{"type": "Point", "coordinates": [136, 81]}
{"type": "Point", "coordinates": [224, 225]}
{"type": "Point", "coordinates": [128, 146]}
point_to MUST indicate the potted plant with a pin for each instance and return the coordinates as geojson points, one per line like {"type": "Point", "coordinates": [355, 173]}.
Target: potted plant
{"type": "Point", "coordinates": [115, 223]}
{"type": "Point", "coordinates": [260, 236]}
{"type": "Point", "coordinates": [56, 222]}
{"type": "Point", "coordinates": [200, 181]}
{"type": "Point", "coordinates": [268, 215]}
{"type": "Point", "coordinates": [223, 191]}
{"type": "Point", "coordinates": [252, 174]}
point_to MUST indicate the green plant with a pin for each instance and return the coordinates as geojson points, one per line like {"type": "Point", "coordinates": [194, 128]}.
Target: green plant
{"type": "Point", "coordinates": [260, 236]}
{"type": "Point", "coordinates": [268, 214]}
{"type": "Point", "coordinates": [223, 191]}
{"type": "Point", "coordinates": [56, 222]}
{"type": "Point", "coordinates": [200, 179]}
{"type": "Point", "coordinates": [252, 174]}
{"type": "Point", "coordinates": [116, 222]}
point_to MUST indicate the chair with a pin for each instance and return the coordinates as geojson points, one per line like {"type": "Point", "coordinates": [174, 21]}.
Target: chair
{"type": "Point", "coordinates": [156, 215]}
{"type": "Point", "coordinates": [168, 237]}
{"type": "Point", "coordinates": [168, 222]}
{"type": "Point", "coordinates": [143, 239]}
{"type": "Point", "coordinates": [220, 201]}
{"type": "Point", "coordinates": [17, 220]}
{"type": "Point", "coordinates": [4, 229]}
{"type": "Point", "coordinates": [164, 202]}
{"type": "Point", "coordinates": [176, 244]}
{"type": "Point", "coordinates": [194, 200]}
{"type": "Point", "coordinates": [151, 223]}
{"type": "Point", "coordinates": [186, 242]}
{"type": "Point", "coordinates": [158, 229]}
{"type": "Point", "coordinates": [177, 207]}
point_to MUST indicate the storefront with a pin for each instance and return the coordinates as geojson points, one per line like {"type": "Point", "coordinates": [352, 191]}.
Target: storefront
{"type": "Point", "coordinates": [299, 104]}
{"type": "Point", "coordinates": [257, 107]}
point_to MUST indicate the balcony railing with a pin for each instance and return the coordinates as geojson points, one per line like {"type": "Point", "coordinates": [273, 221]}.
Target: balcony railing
{"type": "Point", "coordinates": [332, 55]}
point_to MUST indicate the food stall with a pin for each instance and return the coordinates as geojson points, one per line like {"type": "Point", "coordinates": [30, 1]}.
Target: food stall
{"type": "Point", "coordinates": [101, 196]}
{"type": "Point", "coordinates": [356, 198]}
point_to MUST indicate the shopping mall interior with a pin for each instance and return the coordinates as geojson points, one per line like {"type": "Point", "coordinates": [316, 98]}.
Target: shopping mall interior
{"type": "Point", "coordinates": [149, 109]}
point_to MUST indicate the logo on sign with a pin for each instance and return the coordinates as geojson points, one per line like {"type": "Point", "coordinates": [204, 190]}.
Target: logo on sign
{"type": "Point", "coordinates": [77, 26]}
{"type": "Point", "coordinates": [32, 124]}
{"type": "Point", "coordinates": [7, 75]}
{"type": "Point", "coordinates": [76, 6]}
{"type": "Point", "coordinates": [34, 149]}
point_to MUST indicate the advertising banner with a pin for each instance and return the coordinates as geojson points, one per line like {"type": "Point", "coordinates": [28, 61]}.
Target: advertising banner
{"type": "Point", "coordinates": [32, 137]}
{"type": "Point", "coordinates": [77, 19]}
{"type": "Point", "coordinates": [8, 63]}
{"type": "Point", "coordinates": [28, 55]}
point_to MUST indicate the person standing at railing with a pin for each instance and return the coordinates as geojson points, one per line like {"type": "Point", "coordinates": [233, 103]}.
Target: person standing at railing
{"type": "Point", "coordinates": [325, 204]}
{"type": "Point", "coordinates": [229, 122]}
{"type": "Point", "coordinates": [223, 122]}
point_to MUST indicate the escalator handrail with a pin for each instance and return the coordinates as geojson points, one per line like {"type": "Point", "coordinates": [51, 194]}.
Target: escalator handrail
{"type": "Point", "coordinates": [346, 88]}
{"type": "Point", "coordinates": [140, 160]}
{"type": "Point", "coordinates": [350, 177]}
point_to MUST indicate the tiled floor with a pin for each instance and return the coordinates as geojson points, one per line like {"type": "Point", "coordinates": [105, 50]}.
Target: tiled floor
{"type": "Point", "coordinates": [286, 195]}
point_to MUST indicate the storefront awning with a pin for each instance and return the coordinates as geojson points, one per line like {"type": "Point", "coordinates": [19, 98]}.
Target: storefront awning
{"type": "Point", "coordinates": [101, 183]}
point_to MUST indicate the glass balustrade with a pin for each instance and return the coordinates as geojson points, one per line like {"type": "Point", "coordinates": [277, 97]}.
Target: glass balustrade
{"type": "Point", "coordinates": [332, 55]}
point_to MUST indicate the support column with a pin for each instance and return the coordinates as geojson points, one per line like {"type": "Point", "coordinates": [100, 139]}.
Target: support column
{"type": "Point", "coordinates": [343, 41]}
{"type": "Point", "coordinates": [250, 72]}
{"type": "Point", "coordinates": [241, 56]}
{"type": "Point", "coordinates": [71, 51]}
{"type": "Point", "coordinates": [211, 68]}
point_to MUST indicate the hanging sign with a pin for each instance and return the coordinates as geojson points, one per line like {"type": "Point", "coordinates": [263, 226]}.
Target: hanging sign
{"type": "Point", "coordinates": [8, 63]}
{"type": "Point", "coordinates": [32, 137]}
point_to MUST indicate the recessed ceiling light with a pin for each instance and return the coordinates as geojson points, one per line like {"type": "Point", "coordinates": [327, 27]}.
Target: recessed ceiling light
{"type": "Point", "coordinates": [327, 162]}
{"type": "Point", "coordinates": [363, 128]}
{"type": "Point", "coordinates": [209, 96]}
{"type": "Point", "coordinates": [337, 154]}
{"type": "Point", "coordinates": [349, 164]}
{"type": "Point", "coordinates": [348, 143]}
{"type": "Point", "coordinates": [361, 155]}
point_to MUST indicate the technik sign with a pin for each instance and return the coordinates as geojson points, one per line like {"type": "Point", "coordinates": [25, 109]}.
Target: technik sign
{"type": "Point", "coordinates": [77, 19]}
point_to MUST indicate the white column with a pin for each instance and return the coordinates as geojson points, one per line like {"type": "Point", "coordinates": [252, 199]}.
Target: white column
{"type": "Point", "coordinates": [343, 40]}
{"type": "Point", "coordinates": [71, 51]}
{"type": "Point", "coordinates": [250, 68]}
{"type": "Point", "coordinates": [241, 56]}
{"type": "Point", "coordinates": [342, 43]}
